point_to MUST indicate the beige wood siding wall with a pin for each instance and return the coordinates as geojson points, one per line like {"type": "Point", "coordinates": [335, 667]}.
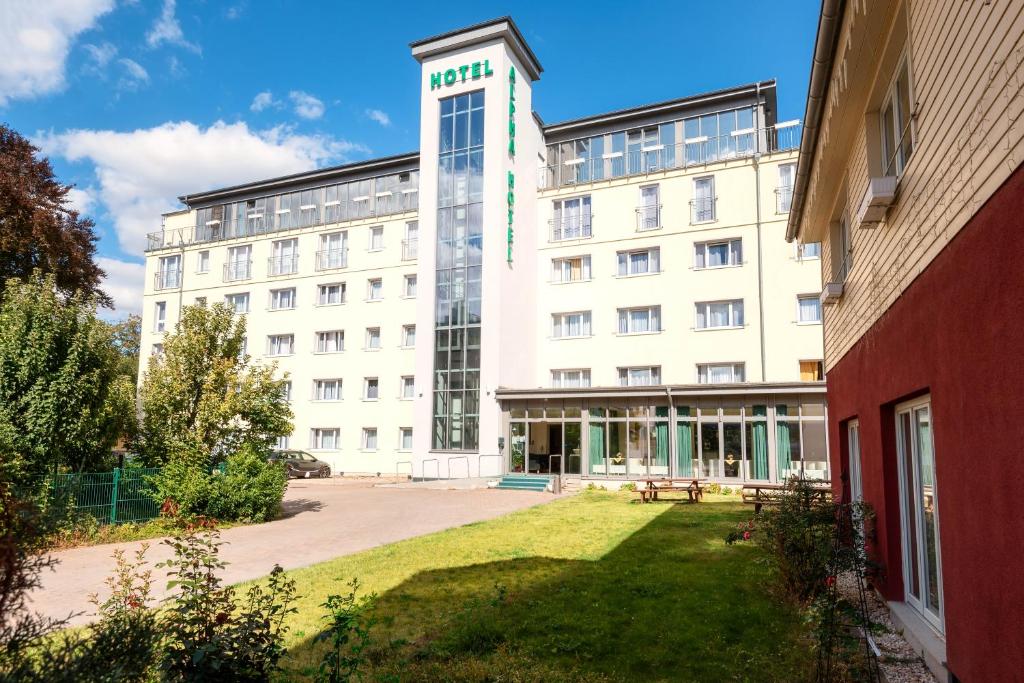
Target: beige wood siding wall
{"type": "Point", "coordinates": [967, 75]}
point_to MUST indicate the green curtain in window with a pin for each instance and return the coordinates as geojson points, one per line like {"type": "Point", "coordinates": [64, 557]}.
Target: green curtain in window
{"type": "Point", "coordinates": [784, 456]}
{"type": "Point", "coordinates": [661, 437]}
{"type": "Point", "coordinates": [684, 445]}
{"type": "Point", "coordinates": [596, 445]}
{"type": "Point", "coordinates": [760, 445]}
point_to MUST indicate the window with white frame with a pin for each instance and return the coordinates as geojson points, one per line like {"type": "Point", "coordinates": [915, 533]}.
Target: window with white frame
{"type": "Point", "coordinates": [286, 391]}
{"type": "Point", "coordinates": [324, 438]}
{"type": "Point", "coordinates": [808, 251]}
{"type": "Point", "coordinates": [157, 350]}
{"type": "Point", "coordinates": [720, 373]}
{"type": "Point", "coordinates": [641, 320]}
{"type": "Point", "coordinates": [369, 438]}
{"type": "Point", "coordinates": [718, 254]}
{"type": "Point", "coordinates": [408, 387]}
{"type": "Point", "coordinates": [808, 308]}
{"type": "Point", "coordinates": [408, 336]}
{"type": "Point", "coordinates": [841, 242]}
{"type": "Point", "coordinates": [565, 325]}
{"type": "Point", "coordinates": [376, 238]}
{"type": "Point", "coordinates": [409, 286]}
{"type": "Point", "coordinates": [244, 349]}
{"type": "Point", "coordinates": [330, 341]}
{"type": "Point", "coordinates": [784, 193]}
{"type": "Point", "coordinates": [282, 443]}
{"type": "Point", "coordinates": [200, 301]}
{"type": "Point", "coordinates": [239, 264]}
{"type": "Point", "coordinates": [203, 262]}
{"type": "Point", "coordinates": [282, 299]}
{"type": "Point", "coordinates": [374, 289]}
{"type": "Point", "coordinates": [648, 214]}
{"type": "Point", "coordinates": [372, 339]}
{"type": "Point", "coordinates": [703, 202]}
{"type": "Point", "coordinates": [160, 316]}
{"type": "Point", "coordinates": [410, 245]}
{"type": "Point", "coordinates": [712, 315]}
{"type": "Point", "coordinates": [405, 438]}
{"type": "Point", "coordinates": [570, 269]}
{"type": "Point", "coordinates": [168, 274]}
{"type": "Point", "coordinates": [330, 294]}
{"type": "Point", "coordinates": [327, 389]}
{"type": "Point", "coordinates": [333, 251]}
{"type": "Point", "coordinates": [640, 376]}
{"type": "Point", "coordinates": [371, 388]}
{"type": "Point", "coordinates": [239, 303]}
{"type": "Point", "coordinates": [571, 219]}
{"type": "Point", "coordinates": [284, 258]}
{"type": "Point", "coordinates": [280, 344]}
{"type": "Point", "coordinates": [896, 122]}
{"type": "Point", "coordinates": [639, 261]}
{"type": "Point", "coordinates": [570, 379]}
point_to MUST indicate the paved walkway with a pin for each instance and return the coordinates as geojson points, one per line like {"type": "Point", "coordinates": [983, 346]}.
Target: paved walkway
{"type": "Point", "coordinates": [323, 519]}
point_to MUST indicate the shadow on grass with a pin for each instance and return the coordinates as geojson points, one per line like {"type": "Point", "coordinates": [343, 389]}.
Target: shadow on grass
{"type": "Point", "coordinates": [668, 603]}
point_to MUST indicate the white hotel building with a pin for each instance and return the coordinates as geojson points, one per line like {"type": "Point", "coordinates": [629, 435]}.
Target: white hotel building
{"type": "Point", "coordinates": [611, 297]}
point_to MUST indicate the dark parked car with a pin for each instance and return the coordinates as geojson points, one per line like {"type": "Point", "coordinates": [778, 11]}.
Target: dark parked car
{"type": "Point", "coordinates": [300, 464]}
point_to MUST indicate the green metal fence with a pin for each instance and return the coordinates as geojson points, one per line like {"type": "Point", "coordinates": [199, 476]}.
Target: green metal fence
{"type": "Point", "coordinates": [110, 497]}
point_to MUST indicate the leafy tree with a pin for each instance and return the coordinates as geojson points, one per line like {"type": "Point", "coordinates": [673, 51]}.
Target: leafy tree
{"type": "Point", "coordinates": [126, 337]}
{"type": "Point", "coordinates": [57, 368]}
{"type": "Point", "coordinates": [38, 227]}
{"type": "Point", "coordinates": [202, 399]}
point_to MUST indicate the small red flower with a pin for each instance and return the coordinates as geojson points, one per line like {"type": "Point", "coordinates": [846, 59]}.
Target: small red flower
{"type": "Point", "coordinates": [746, 535]}
{"type": "Point", "coordinates": [830, 581]}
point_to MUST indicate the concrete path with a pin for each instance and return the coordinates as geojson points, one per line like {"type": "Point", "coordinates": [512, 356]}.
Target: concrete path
{"type": "Point", "coordinates": [323, 519]}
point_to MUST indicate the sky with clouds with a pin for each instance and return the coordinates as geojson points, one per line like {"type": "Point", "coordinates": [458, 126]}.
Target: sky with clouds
{"type": "Point", "coordinates": [139, 101]}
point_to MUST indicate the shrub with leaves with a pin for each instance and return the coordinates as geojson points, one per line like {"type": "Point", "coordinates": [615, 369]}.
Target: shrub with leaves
{"type": "Point", "coordinates": [347, 633]}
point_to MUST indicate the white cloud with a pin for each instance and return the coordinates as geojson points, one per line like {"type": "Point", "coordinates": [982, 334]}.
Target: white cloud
{"type": "Point", "coordinates": [123, 284]}
{"type": "Point", "coordinates": [134, 75]}
{"type": "Point", "coordinates": [82, 201]}
{"type": "Point", "coordinates": [99, 56]}
{"type": "Point", "coordinates": [235, 11]}
{"type": "Point", "coordinates": [166, 29]}
{"type": "Point", "coordinates": [263, 101]}
{"type": "Point", "coordinates": [306, 106]}
{"type": "Point", "coordinates": [140, 174]}
{"type": "Point", "coordinates": [379, 116]}
{"type": "Point", "coordinates": [175, 68]}
{"type": "Point", "coordinates": [34, 41]}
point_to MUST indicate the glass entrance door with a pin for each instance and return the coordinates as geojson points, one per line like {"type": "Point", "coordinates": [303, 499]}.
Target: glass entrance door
{"type": "Point", "coordinates": [922, 557]}
{"type": "Point", "coordinates": [856, 484]}
{"type": "Point", "coordinates": [517, 447]}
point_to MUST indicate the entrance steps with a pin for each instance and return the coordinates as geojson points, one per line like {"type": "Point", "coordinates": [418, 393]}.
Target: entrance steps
{"type": "Point", "coordinates": [522, 482]}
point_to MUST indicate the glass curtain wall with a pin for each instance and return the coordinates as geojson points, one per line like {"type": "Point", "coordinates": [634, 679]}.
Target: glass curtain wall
{"type": "Point", "coordinates": [459, 262]}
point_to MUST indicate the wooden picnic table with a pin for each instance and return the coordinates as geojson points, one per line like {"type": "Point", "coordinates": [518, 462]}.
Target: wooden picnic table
{"type": "Point", "coordinates": [691, 486]}
{"type": "Point", "coordinates": [761, 494]}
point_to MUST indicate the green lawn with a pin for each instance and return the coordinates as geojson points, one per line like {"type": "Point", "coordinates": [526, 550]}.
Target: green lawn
{"type": "Point", "coordinates": [587, 588]}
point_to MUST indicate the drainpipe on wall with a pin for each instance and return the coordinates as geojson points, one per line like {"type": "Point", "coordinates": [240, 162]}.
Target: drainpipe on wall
{"type": "Point", "coordinates": [760, 268]}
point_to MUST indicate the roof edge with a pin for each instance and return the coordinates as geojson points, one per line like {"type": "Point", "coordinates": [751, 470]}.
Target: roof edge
{"type": "Point", "coordinates": [513, 35]}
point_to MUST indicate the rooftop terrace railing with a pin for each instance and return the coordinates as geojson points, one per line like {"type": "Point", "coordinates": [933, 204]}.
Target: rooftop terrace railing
{"type": "Point", "coordinates": [693, 152]}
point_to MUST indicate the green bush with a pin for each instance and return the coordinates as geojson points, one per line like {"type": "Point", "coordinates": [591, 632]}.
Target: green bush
{"type": "Point", "coordinates": [713, 488]}
{"type": "Point", "coordinates": [628, 486]}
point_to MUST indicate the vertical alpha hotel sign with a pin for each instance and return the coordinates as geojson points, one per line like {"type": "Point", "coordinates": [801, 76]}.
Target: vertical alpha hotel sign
{"type": "Point", "coordinates": [511, 196]}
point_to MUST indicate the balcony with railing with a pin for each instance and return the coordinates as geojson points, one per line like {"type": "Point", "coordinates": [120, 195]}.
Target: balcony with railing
{"type": "Point", "coordinates": [329, 259]}
{"type": "Point", "coordinates": [699, 151]}
{"type": "Point", "coordinates": [702, 210]}
{"type": "Point", "coordinates": [571, 227]}
{"type": "Point", "coordinates": [282, 265]}
{"type": "Point", "coordinates": [410, 249]}
{"type": "Point", "coordinates": [166, 279]}
{"type": "Point", "coordinates": [237, 270]}
{"type": "Point", "coordinates": [648, 217]}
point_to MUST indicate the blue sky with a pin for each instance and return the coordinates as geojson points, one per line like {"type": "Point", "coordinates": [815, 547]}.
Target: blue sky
{"type": "Point", "coordinates": [139, 101]}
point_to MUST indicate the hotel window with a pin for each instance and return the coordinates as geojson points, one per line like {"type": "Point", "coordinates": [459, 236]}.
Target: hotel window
{"type": "Point", "coordinates": [239, 265]}
{"type": "Point", "coordinates": [808, 251]}
{"type": "Point", "coordinates": [570, 379]}
{"type": "Point", "coordinates": [373, 339]}
{"type": "Point", "coordinates": [564, 325]}
{"type": "Point", "coordinates": [160, 323]}
{"type": "Point", "coordinates": [639, 377]}
{"type": "Point", "coordinates": [410, 245]}
{"type": "Point", "coordinates": [282, 299]}
{"type": "Point", "coordinates": [712, 315]}
{"type": "Point", "coordinates": [333, 251]}
{"type": "Point", "coordinates": [286, 391]}
{"type": "Point", "coordinates": [374, 289]}
{"type": "Point", "coordinates": [720, 373]}
{"type": "Point", "coordinates": [405, 439]}
{"type": "Point", "coordinates": [842, 249]}
{"type": "Point", "coordinates": [280, 344]}
{"type": "Point", "coordinates": [639, 320]}
{"type": "Point", "coordinates": [572, 219]}
{"type": "Point", "coordinates": [200, 301]}
{"type": "Point", "coordinates": [719, 254]}
{"type": "Point", "coordinates": [203, 262]}
{"type": "Point", "coordinates": [572, 269]}
{"type": "Point", "coordinates": [157, 350]}
{"type": "Point", "coordinates": [331, 294]}
{"type": "Point", "coordinates": [648, 214]}
{"type": "Point", "coordinates": [371, 389]}
{"type": "Point", "coordinates": [369, 438]}
{"type": "Point", "coordinates": [784, 193]}
{"type": "Point", "coordinates": [282, 443]}
{"type": "Point", "coordinates": [327, 390]}
{"type": "Point", "coordinates": [168, 274]}
{"type": "Point", "coordinates": [324, 439]}
{"type": "Point", "coordinates": [640, 262]}
{"type": "Point", "coordinates": [812, 370]}
{"type": "Point", "coordinates": [703, 202]}
{"type": "Point", "coordinates": [309, 206]}
{"type": "Point", "coordinates": [408, 387]}
{"type": "Point", "coordinates": [239, 303]}
{"type": "Point", "coordinates": [244, 349]}
{"type": "Point", "coordinates": [376, 238]}
{"type": "Point", "coordinates": [408, 336]}
{"type": "Point", "coordinates": [808, 309]}
{"type": "Point", "coordinates": [896, 122]}
{"type": "Point", "coordinates": [285, 258]}
{"type": "Point", "coordinates": [409, 287]}
{"type": "Point", "coordinates": [331, 341]}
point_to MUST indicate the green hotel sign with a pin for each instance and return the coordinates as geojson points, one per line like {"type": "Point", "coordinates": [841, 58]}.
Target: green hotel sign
{"type": "Point", "coordinates": [460, 74]}
{"type": "Point", "coordinates": [511, 196]}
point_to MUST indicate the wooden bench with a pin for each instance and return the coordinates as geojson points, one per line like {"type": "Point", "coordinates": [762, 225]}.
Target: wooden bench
{"type": "Point", "coordinates": [693, 489]}
{"type": "Point", "coordinates": [760, 495]}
